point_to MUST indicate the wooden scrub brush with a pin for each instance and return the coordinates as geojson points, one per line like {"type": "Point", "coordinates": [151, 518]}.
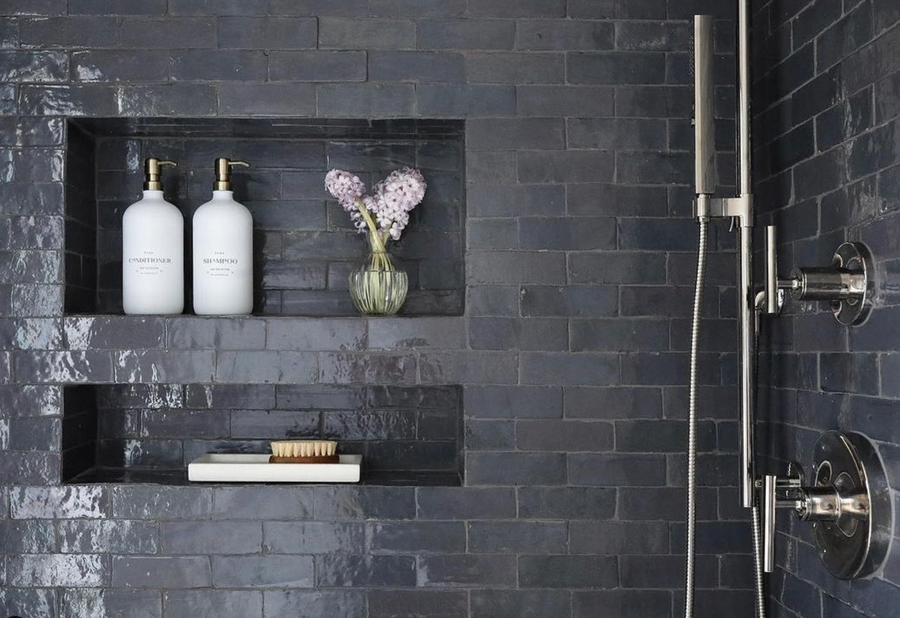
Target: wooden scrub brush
{"type": "Point", "coordinates": [304, 451]}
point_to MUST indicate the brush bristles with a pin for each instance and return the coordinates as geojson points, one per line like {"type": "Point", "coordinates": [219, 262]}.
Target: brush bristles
{"type": "Point", "coordinates": [304, 448]}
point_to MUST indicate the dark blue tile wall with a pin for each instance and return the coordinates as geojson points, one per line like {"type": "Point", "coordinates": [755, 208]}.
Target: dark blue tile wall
{"type": "Point", "coordinates": [828, 165]}
{"type": "Point", "coordinates": [572, 352]}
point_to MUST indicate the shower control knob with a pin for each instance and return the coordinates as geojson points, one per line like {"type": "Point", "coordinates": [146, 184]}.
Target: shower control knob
{"type": "Point", "coordinates": [769, 503]}
{"type": "Point", "coordinates": [846, 284]}
{"type": "Point", "coordinates": [771, 485]}
{"type": "Point", "coordinates": [773, 295]}
{"type": "Point", "coordinates": [849, 504]}
{"type": "Point", "coordinates": [770, 299]}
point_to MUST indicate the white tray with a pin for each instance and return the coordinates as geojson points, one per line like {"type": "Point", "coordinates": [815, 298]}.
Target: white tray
{"type": "Point", "coordinates": [257, 469]}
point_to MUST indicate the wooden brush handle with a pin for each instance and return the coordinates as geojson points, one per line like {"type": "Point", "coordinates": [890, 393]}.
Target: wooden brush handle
{"type": "Point", "coordinates": [314, 459]}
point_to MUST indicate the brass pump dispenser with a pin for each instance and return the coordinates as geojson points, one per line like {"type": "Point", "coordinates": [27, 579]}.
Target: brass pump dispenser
{"type": "Point", "coordinates": [223, 173]}
{"type": "Point", "coordinates": [152, 173]}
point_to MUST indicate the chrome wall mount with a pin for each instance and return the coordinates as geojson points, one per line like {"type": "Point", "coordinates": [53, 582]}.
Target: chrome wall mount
{"type": "Point", "coordinates": [849, 505]}
{"type": "Point", "coordinates": [846, 283]}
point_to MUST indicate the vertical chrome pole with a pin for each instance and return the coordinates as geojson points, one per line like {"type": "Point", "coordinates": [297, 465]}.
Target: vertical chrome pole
{"type": "Point", "coordinates": [748, 349]}
{"type": "Point", "coordinates": [746, 295]}
{"type": "Point", "coordinates": [747, 300]}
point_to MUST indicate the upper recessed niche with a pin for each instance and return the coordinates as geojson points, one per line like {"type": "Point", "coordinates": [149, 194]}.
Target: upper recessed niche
{"type": "Point", "coordinates": [304, 245]}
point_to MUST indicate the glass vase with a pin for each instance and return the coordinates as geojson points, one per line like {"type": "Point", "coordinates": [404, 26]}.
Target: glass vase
{"type": "Point", "coordinates": [378, 285]}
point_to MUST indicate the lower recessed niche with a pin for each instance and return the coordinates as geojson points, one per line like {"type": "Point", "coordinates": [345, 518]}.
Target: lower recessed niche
{"type": "Point", "coordinates": [304, 245]}
{"type": "Point", "coordinates": [149, 433]}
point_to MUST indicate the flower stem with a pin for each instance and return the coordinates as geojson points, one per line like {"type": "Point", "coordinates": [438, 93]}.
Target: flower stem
{"type": "Point", "coordinates": [374, 236]}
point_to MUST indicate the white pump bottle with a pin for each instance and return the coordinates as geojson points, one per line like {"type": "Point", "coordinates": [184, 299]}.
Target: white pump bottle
{"type": "Point", "coordinates": [223, 250]}
{"type": "Point", "coordinates": [153, 250]}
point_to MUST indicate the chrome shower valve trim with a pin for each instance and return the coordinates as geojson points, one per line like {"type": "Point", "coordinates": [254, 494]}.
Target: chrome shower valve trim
{"type": "Point", "coordinates": [846, 283]}
{"type": "Point", "coordinates": [849, 504]}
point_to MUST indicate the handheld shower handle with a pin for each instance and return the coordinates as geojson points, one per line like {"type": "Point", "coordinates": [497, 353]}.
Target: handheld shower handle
{"type": "Point", "coordinates": [704, 107]}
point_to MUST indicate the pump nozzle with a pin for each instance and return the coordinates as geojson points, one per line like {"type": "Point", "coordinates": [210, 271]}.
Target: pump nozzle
{"type": "Point", "coordinates": [152, 173]}
{"type": "Point", "coordinates": [223, 173]}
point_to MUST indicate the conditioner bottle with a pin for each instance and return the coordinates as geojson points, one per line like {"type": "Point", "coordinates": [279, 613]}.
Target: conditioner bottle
{"type": "Point", "coordinates": [153, 250]}
{"type": "Point", "coordinates": [223, 250]}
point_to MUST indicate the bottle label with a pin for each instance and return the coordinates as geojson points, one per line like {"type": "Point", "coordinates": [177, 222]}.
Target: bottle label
{"type": "Point", "coordinates": [220, 264]}
{"type": "Point", "coordinates": [148, 263]}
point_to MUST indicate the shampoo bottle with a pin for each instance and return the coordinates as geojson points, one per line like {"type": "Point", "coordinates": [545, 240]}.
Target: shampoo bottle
{"type": "Point", "coordinates": [153, 250]}
{"type": "Point", "coordinates": [223, 250]}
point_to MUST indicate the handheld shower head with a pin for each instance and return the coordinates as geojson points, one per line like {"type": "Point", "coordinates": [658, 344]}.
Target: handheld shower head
{"type": "Point", "coordinates": [705, 179]}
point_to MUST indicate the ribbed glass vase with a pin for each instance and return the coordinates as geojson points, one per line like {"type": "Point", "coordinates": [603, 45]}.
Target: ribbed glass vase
{"type": "Point", "coordinates": [378, 285]}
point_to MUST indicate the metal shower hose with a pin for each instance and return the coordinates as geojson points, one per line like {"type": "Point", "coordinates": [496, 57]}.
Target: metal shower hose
{"type": "Point", "coordinates": [691, 523]}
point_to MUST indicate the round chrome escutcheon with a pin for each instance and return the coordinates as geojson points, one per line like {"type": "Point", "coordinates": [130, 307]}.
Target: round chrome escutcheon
{"type": "Point", "coordinates": [855, 259]}
{"type": "Point", "coordinates": [857, 543]}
